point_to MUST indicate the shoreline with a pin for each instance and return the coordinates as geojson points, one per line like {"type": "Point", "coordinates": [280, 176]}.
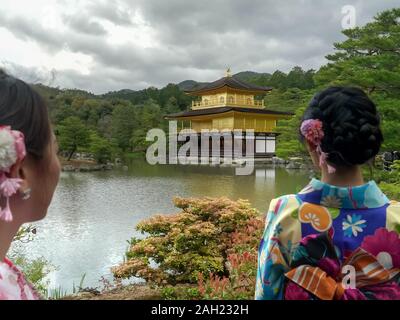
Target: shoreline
{"type": "Point", "coordinates": [84, 166]}
{"type": "Point", "coordinates": [294, 163]}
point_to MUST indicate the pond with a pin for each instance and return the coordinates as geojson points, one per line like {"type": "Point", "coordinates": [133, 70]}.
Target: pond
{"type": "Point", "coordinates": [94, 214]}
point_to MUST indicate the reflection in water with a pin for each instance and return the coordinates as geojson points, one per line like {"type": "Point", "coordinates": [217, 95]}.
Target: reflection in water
{"type": "Point", "coordinates": [94, 214]}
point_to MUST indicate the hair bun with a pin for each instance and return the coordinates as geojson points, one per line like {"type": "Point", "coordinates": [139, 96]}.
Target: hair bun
{"type": "Point", "coordinates": [351, 125]}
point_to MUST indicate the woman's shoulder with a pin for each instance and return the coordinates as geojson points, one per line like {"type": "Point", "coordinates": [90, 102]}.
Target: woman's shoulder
{"type": "Point", "coordinates": [285, 203]}
{"type": "Point", "coordinates": [282, 221]}
{"type": "Point", "coordinates": [13, 285]}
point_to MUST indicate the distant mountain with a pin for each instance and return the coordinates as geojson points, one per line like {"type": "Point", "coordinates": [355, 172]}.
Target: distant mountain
{"type": "Point", "coordinates": [297, 78]}
{"type": "Point", "coordinates": [151, 92]}
{"type": "Point", "coordinates": [51, 92]}
{"type": "Point", "coordinates": [251, 76]}
{"type": "Point", "coordinates": [188, 84]}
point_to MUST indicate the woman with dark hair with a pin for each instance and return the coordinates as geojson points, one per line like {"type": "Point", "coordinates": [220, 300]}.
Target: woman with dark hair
{"type": "Point", "coordinates": [29, 173]}
{"type": "Point", "coordinates": [338, 237]}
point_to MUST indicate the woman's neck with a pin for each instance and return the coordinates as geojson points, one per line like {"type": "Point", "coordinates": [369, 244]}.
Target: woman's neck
{"type": "Point", "coordinates": [344, 178]}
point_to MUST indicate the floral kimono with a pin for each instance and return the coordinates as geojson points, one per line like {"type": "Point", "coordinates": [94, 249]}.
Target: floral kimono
{"type": "Point", "coordinates": [13, 285]}
{"type": "Point", "coordinates": [313, 239]}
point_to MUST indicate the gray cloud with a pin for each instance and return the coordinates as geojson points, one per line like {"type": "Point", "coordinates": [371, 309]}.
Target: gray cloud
{"type": "Point", "coordinates": [117, 14]}
{"type": "Point", "coordinates": [193, 39]}
{"type": "Point", "coordinates": [30, 74]}
{"type": "Point", "coordinates": [83, 24]}
{"type": "Point", "coordinates": [29, 30]}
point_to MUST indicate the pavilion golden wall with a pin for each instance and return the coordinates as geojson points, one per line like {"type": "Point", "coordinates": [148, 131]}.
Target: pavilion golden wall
{"type": "Point", "coordinates": [259, 123]}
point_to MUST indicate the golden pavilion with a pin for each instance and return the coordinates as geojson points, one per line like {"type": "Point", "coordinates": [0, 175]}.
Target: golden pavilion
{"type": "Point", "coordinates": [229, 105]}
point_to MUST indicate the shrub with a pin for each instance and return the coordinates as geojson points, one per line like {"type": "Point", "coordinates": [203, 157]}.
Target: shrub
{"type": "Point", "coordinates": [242, 266]}
{"type": "Point", "coordinates": [203, 240]}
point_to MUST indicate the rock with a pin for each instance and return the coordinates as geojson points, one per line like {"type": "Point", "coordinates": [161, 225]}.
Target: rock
{"type": "Point", "coordinates": [226, 164]}
{"type": "Point", "coordinates": [215, 160]}
{"type": "Point", "coordinates": [204, 161]}
{"type": "Point", "coordinates": [81, 296]}
{"type": "Point", "coordinates": [307, 166]}
{"type": "Point", "coordinates": [239, 162]}
{"type": "Point", "coordinates": [109, 166]}
{"type": "Point", "coordinates": [90, 168]}
{"type": "Point", "coordinates": [68, 168]}
{"type": "Point", "coordinates": [293, 165]}
{"type": "Point", "coordinates": [263, 161]}
{"type": "Point", "coordinates": [296, 159]}
{"type": "Point", "coordinates": [279, 161]}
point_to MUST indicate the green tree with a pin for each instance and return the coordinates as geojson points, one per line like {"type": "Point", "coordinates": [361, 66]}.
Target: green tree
{"type": "Point", "coordinates": [72, 134]}
{"type": "Point", "coordinates": [172, 105]}
{"type": "Point", "coordinates": [278, 80]}
{"type": "Point", "coordinates": [369, 57]}
{"type": "Point", "coordinates": [150, 116]}
{"type": "Point", "coordinates": [123, 123]}
{"type": "Point", "coordinates": [295, 78]}
{"type": "Point", "coordinates": [101, 148]}
{"type": "Point", "coordinates": [138, 140]}
{"type": "Point", "coordinates": [289, 144]}
{"type": "Point", "coordinates": [308, 82]}
{"type": "Point", "coordinates": [390, 116]}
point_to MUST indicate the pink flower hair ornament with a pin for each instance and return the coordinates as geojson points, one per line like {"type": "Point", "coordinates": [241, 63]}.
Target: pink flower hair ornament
{"type": "Point", "coordinates": [312, 131]}
{"type": "Point", "coordinates": [12, 150]}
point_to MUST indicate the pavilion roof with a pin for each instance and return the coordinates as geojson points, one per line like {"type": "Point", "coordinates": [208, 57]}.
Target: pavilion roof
{"type": "Point", "coordinates": [229, 81]}
{"type": "Point", "coordinates": [219, 110]}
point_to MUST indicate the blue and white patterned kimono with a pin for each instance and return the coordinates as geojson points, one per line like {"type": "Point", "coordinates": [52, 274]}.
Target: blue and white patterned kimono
{"type": "Point", "coordinates": [355, 221]}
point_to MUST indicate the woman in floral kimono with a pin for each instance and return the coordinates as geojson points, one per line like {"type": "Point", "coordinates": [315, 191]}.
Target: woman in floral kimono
{"type": "Point", "coordinates": [338, 238]}
{"type": "Point", "coordinates": [29, 172]}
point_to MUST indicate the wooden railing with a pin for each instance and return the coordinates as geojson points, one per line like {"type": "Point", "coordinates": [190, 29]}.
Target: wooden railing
{"type": "Point", "coordinates": [240, 102]}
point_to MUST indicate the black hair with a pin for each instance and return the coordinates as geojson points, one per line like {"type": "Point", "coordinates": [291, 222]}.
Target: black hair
{"type": "Point", "coordinates": [23, 109]}
{"type": "Point", "coordinates": [351, 125]}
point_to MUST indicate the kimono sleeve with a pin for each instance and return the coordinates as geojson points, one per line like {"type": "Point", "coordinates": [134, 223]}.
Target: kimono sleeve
{"type": "Point", "coordinates": [281, 231]}
{"type": "Point", "coordinates": [393, 217]}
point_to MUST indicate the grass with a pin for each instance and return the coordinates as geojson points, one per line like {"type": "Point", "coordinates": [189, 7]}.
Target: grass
{"type": "Point", "coordinates": [60, 293]}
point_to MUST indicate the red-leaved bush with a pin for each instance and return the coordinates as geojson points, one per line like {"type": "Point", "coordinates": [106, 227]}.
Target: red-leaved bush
{"type": "Point", "coordinates": [209, 249]}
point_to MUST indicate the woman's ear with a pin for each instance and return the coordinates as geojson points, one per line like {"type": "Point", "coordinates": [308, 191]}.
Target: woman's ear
{"type": "Point", "coordinates": [19, 171]}
{"type": "Point", "coordinates": [310, 147]}
{"type": "Point", "coordinates": [16, 170]}
{"type": "Point", "coordinates": [312, 150]}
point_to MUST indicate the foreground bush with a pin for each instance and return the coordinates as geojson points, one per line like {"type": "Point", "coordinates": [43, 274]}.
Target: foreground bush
{"type": "Point", "coordinates": [210, 248]}
{"type": "Point", "coordinates": [242, 267]}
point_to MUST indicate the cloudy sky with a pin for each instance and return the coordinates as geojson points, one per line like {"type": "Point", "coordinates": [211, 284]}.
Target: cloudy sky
{"type": "Point", "coordinates": [115, 44]}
